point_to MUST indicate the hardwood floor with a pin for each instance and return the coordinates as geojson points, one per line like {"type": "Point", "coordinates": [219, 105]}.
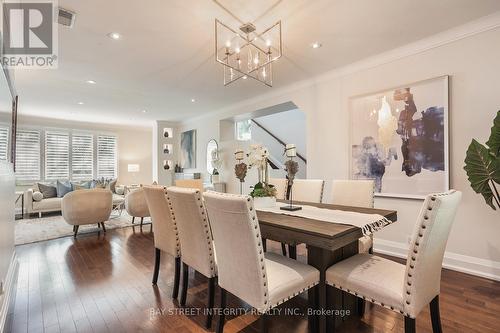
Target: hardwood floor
{"type": "Point", "coordinates": [102, 283]}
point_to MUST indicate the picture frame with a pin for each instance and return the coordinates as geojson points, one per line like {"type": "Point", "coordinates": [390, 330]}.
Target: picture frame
{"type": "Point", "coordinates": [422, 150]}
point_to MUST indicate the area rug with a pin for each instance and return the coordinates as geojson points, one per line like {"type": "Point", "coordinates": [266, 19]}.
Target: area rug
{"type": "Point", "coordinates": [51, 226]}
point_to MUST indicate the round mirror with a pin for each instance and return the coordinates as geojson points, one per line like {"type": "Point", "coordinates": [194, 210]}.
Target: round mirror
{"type": "Point", "coordinates": [212, 156]}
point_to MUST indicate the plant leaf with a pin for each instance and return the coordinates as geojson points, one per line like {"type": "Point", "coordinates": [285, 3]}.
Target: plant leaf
{"type": "Point", "coordinates": [481, 168]}
{"type": "Point", "coordinates": [494, 140]}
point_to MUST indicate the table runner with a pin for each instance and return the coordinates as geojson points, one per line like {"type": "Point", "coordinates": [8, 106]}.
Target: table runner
{"type": "Point", "coordinates": [369, 223]}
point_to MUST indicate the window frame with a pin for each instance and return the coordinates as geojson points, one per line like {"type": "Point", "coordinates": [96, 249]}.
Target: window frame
{"type": "Point", "coordinates": [70, 131]}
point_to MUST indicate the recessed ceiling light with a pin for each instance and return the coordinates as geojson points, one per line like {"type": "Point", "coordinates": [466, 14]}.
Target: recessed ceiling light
{"type": "Point", "coordinates": [193, 100]}
{"type": "Point", "coordinates": [80, 103]}
{"type": "Point", "coordinates": [144, 111]}
{"type": "Point", "coordinates": [244, 77]}
{"type": "Point", "coordinates": [316, 45]}
{"type": "Point", "coordinates": [114, 35]}
{"type": "Point", "coordinates": [91, 82]}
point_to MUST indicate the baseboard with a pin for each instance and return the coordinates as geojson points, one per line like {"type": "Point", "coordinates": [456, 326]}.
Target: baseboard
{"type": "Point", "coordinates": [6, 298]}
{"type": "Point", "coordinates": [475, 266]}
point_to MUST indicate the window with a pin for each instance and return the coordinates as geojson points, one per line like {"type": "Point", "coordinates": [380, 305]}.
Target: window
{"type": "Point", "coordinates": [56, 155]}
{"type": "Point", "coordinates": [244, 130]}
{"type": "Point", "coordinates": [4, 142]}
{"type": "Point", "coordinates": [106, 156]}
{"type": "Point", "coordinates": [82, 156]}
{"type": "Point", "coordinates": [28, 155]}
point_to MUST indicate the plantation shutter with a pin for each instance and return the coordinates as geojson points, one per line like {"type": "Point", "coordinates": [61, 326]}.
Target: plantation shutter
{"type": "Point", "coordinates": [106, 156]}
{"type": "Point", "coordinates": [56, 155]}
{"type": "Point", "coordinates": [27, 155]}
{"type": "Point", "coordinates": [4, 142]}
{"type": "Point", "coordinates": [82, 157]}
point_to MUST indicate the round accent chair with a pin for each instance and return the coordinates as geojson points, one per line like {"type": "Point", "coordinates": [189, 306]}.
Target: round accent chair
{"type": "Point", "coordinates": [87, 207]}
{"type": "Point", "coordinates": [136, 204]}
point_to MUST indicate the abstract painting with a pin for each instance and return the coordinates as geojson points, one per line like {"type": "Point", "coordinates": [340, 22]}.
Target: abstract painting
{"type": "Point", "coordinates": [188, 149]}
{"type": "Point", "coordinates": [399, 138]}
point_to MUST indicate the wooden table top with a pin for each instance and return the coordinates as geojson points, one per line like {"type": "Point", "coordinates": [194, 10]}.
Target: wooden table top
{"type": "Point", "coordinates": [294, 229]}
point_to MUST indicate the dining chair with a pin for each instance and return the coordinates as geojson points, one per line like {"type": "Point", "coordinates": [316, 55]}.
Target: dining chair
{"type": "Point", "coordinates": [281, 186]}
{"type": "Point", "coordinates": [308, 190]}
{"type": "Point", "coordinates": [188, 213]}
{"type": "Point", "coordinates": [190, 183]}
{"type": "Point", "coordinates": [262, 280]}
{"type": "Point", "coordinates": [405, 289]}
{"type": "Point", "coordinates": [358, 193]}
{"type": "Point", "coordinates": [166, 236]}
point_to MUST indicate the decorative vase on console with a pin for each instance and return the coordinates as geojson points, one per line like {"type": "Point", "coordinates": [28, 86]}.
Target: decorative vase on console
{"type": "Point", "coordinates": [263, 193]}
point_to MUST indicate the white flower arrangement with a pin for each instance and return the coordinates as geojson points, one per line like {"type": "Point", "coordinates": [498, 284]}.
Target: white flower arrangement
{"type": "Point", "coordinates": [216, 160]}
{"type": "Point", "coordinates": [257, 156]}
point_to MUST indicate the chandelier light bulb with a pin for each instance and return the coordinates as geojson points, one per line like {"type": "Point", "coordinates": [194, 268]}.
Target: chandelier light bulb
{"type": "Point", "coordinates": [268, 43]}
{"type": "Point", "coordinates": [228, 43]}
{"type": "Point", "coordinates": [237, 50]}
{"type": "Point", "coordinates": [256, 60]}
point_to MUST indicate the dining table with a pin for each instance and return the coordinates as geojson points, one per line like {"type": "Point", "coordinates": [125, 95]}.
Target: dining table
{"type": "Point", "coordinates": [327, 243]}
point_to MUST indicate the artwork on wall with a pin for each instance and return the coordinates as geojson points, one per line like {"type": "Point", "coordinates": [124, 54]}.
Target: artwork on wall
{"type": "Point", "coordinates": [188, 149]}
{"type": "Point", "coordinates": [399, 138]}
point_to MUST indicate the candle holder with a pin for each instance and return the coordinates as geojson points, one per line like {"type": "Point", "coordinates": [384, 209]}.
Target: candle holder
{"type": "Point", "coordinates": [292, 167]}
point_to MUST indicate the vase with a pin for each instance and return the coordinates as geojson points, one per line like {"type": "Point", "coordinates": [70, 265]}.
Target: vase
{"type": "Point", "coordinates": [264, 202]}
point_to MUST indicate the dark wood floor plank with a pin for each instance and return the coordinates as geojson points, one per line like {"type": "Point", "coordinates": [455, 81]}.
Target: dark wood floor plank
{"type": "Point", "coordinates": [102, 283]}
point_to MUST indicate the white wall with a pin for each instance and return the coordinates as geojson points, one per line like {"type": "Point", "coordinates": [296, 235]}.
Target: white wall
{"type": "Point", "coordinates": [470, 55]}
{"type": "Point", "coordinates": [134, 143]}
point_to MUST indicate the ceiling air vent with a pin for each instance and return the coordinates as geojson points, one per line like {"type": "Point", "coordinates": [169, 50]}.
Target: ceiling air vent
{"type": "Point", "coordinates": [65, 17]}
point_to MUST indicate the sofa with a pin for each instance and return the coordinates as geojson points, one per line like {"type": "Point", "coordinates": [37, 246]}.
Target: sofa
{"type": "Point", "coordinates": [47, 205]}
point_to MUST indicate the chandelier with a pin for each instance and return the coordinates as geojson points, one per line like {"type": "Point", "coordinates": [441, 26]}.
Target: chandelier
{"type": "Point", "coordinates": [247, 53]}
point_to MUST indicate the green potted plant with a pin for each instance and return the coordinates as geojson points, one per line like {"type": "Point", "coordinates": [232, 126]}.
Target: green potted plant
{"type": "Point", "coordinates": [482, 164]}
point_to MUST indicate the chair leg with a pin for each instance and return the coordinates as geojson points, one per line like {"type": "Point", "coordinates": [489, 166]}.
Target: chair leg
{"type": "Point", "coordinates": [99, 225]}
{"type": "Point", "coordinates": [133, 219]}
{"type": "Point", "coordinates": [222, 316]}
{"type": "Point", "coordinates": [435, 316]}
{"type": "Point", "coordinates": [283, 249]}
{"type": "Point", "coordinates": [157, 266]}
{"type": "Point", "coordinates": [103, 227]}
{"type": "Point", "coordinates": [210, 307]}
{"type": "Point", "coordinates": [264, 244]}
{"type": "Point", "coordinates": [142, 220]}
{"type": "Point", "coordinates": [185, 278]}
{"type": "Point", "coordinates": [292, 251]}
{"type": "Point", "coordinates": [370, 250]}
{"type": "Point", "coordinates": [75, 230]}
{"type": "Point", "coordinates": [361, 306]}
{"type": "Point", "coordinates": [263, 322]}
{"type": "Point", "coordinates": [410, 325]}
{"type": "Point", "coordinates": [177, 277]}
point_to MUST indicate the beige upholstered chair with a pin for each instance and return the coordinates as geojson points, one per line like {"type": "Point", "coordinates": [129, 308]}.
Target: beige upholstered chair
{"type": "Point", "coordinates": [309, 190]}
{"type": "Point", "coordinates": [261, 280]}
{"type": "Point", "coordinates": [281, 185]}
{"type": "Point", "coordinates": [87, 207]}
{"type": "Point", "coordinates": [166, 237]}
{"type": "Point", "coordinates": [188, 213]}
{"type": "Point", "coordinates": [409, 289]}
{"type": "Point", "coordinates": [190, 183]}
{"type": "Point", "coordinates": [358, 193]}
{"type": "Point", "coordinates": [136, 205]}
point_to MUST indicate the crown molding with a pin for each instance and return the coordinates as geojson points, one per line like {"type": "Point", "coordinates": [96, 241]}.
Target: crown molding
{"type": "Point", "coordinates": [481, 25]}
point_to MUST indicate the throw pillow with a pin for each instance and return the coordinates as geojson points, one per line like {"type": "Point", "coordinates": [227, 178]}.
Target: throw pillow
{"type": "Point", "coordinates": [48, 191]}
{"type": "Point", "coordinates": [37, 196]}
{"type": "Point", "coordinates": [112, 185]}
{"type": "Point", "coordinates": [63, 188]}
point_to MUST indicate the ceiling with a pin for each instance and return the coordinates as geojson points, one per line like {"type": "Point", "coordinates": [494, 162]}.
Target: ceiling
{"type": "Point", "coordinates": [166, 55]}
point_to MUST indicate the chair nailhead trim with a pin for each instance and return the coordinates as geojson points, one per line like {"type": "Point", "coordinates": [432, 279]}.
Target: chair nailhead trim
{"type": "Point", "coordinates": [391, 307]}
